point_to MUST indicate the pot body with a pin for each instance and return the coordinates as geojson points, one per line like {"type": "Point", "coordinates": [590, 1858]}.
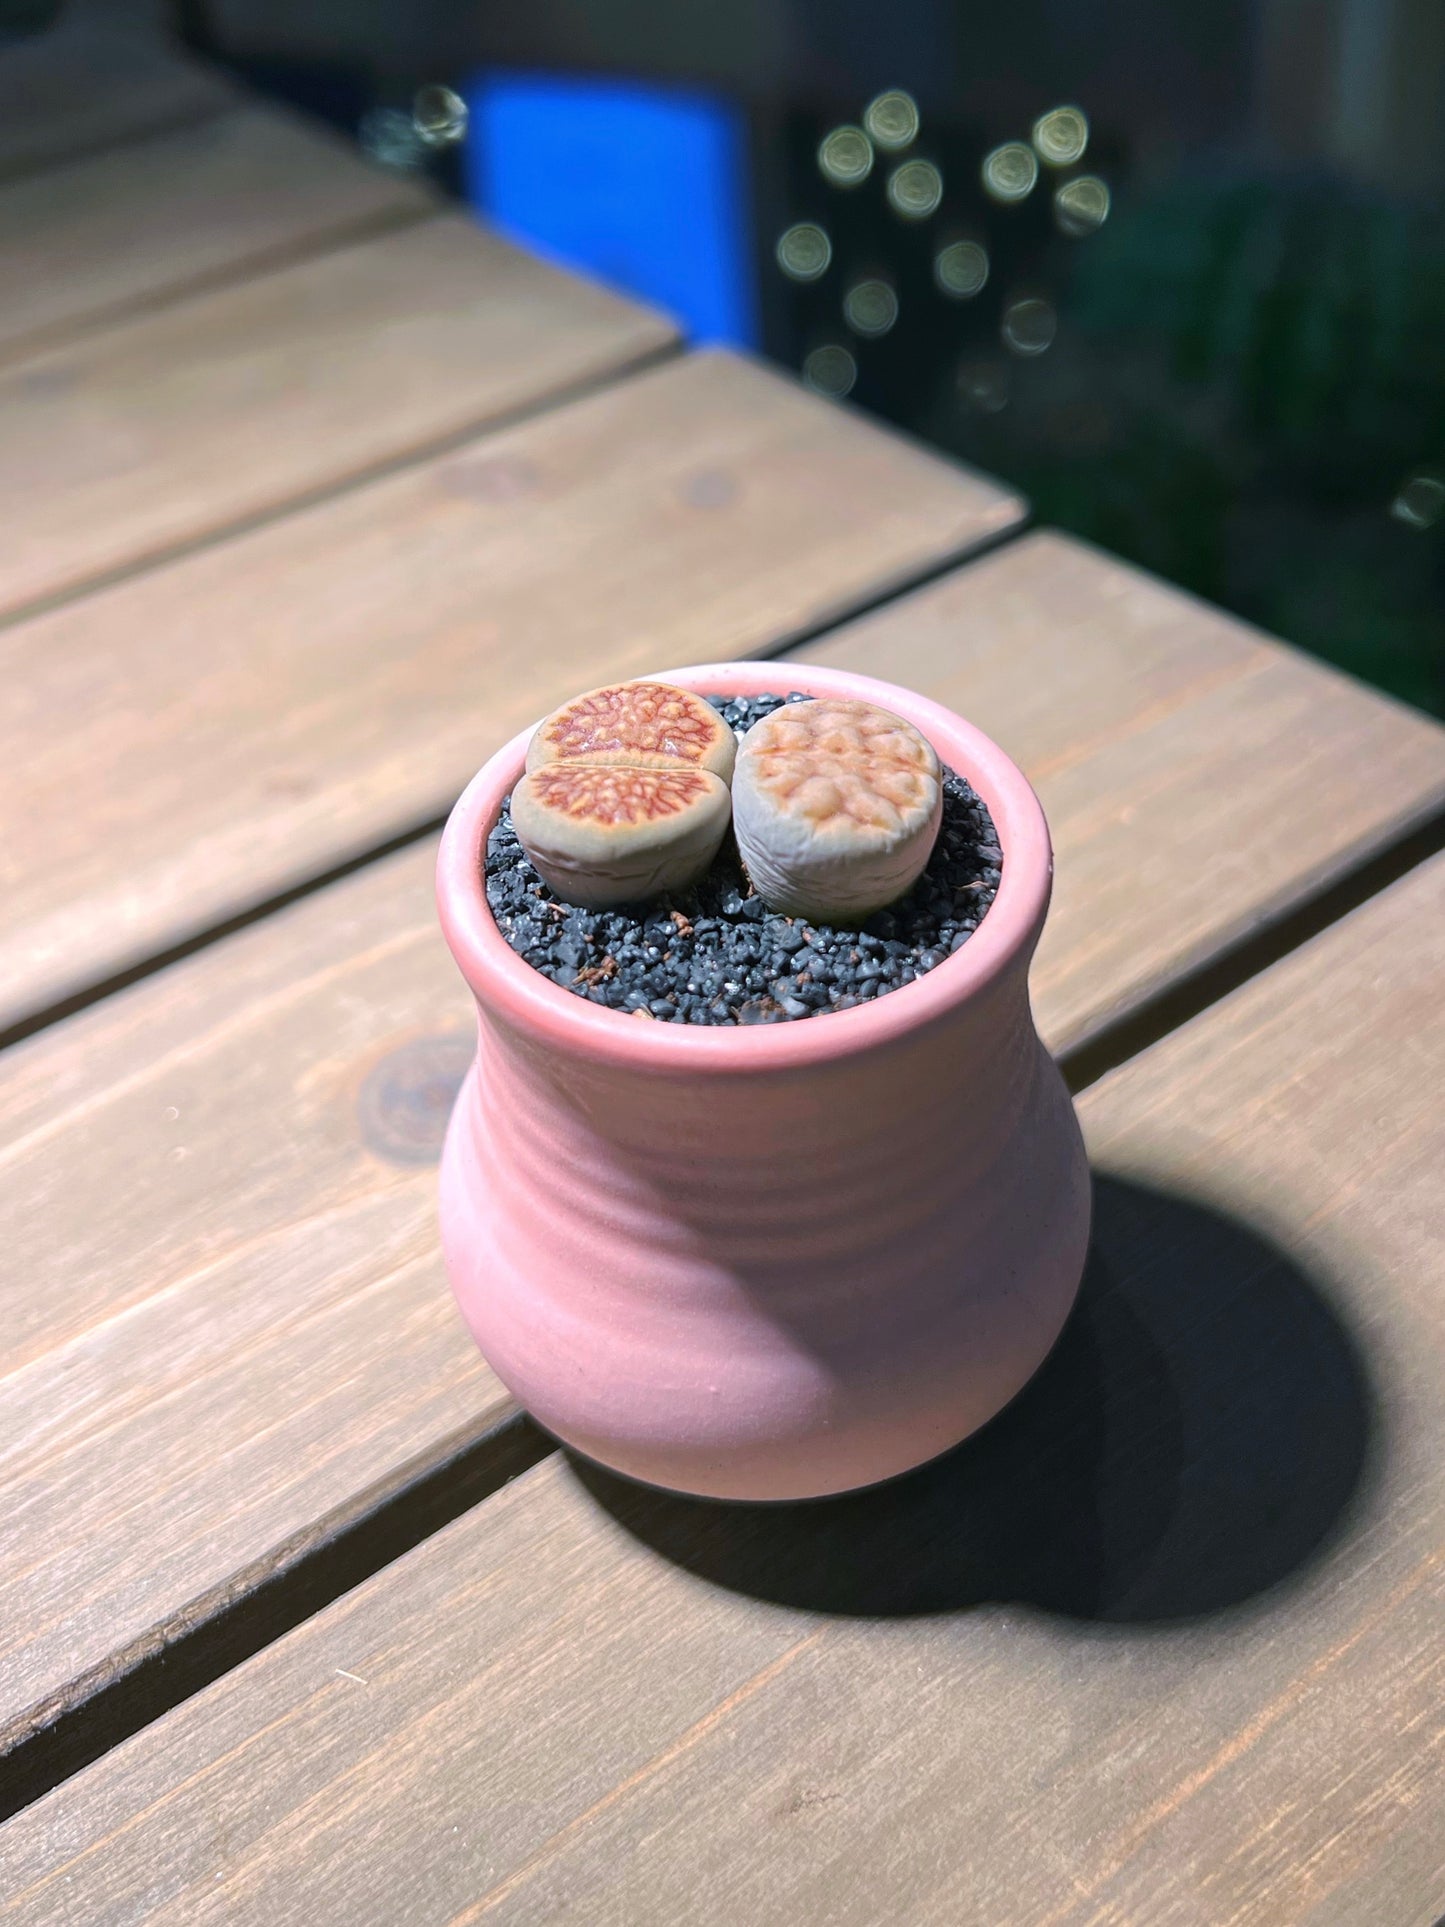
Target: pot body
{"type": "Point", "coordinates": [778, 1262]}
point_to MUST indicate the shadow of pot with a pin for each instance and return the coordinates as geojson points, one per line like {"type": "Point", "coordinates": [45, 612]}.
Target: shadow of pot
{"type": "Point", "coordinates": [1196, 1437]}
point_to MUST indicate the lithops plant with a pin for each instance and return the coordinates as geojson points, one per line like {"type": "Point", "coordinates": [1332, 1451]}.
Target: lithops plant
{"type": "Point", "coordinates": [637, 725]}
{"type": "Point", "coordinates": [625, 794]}
{"type": "Point", "coordinates": [836, 805]}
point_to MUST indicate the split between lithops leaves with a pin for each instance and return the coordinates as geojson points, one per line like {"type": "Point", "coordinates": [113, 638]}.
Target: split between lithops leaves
{"type": "Point", "coordinates": [836, 806]}
{"type": "Point", "coordinates": [625, 794]}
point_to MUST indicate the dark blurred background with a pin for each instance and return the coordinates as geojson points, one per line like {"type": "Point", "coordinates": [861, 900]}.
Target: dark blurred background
{"type": "Point", "coordinates": [1177, 272]}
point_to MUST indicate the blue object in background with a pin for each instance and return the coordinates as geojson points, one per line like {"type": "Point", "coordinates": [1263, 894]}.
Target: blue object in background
{"type": "Point", "coordinates": [643, 186]}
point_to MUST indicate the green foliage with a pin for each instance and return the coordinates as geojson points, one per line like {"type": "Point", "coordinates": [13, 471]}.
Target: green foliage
{"type": "Point", "coordinates": [1267, 361]}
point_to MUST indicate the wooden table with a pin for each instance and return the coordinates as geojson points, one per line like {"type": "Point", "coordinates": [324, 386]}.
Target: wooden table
{"type": "Point", "coordinates": [312, 494]}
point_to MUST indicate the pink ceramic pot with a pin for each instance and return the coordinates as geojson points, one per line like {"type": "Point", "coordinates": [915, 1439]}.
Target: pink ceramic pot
{"type": "Point", "coordinates": [774, 1262]}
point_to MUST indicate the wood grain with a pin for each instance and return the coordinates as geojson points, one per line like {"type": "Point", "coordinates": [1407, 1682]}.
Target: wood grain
{"type": "Point", "coordinates": [1201, 778]}
{"type": "Point", "coordinates": [168, 428]}
{"type": "Point", "coordinates": [226, 1327]}
{"type": "Point", "coordinates": [1162, 1645]}
{"type": "Point", "coordinates": [91, 1248]}
{"type": "Point", "coordinates": [84, 242]}
{"type": "Point", "coordinates": [85, 85]}
{"type": "Point", "coordinates": [187, 743]}
{"type": "Point", "coordinates": [214, 1370]}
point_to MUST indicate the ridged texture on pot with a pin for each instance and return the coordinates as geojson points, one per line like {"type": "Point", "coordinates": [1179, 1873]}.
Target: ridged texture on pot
{"type": "Point", "coordinates": [767, 1263]}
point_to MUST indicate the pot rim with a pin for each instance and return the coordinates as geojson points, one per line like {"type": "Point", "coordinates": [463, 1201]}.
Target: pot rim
{"type": "Point", "coordinates": [508, 987]}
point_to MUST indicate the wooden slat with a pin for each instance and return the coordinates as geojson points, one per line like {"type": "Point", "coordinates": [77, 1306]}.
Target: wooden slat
{"type": "Point", "coordinates": [239, 1336]}
{"type": "Point", "coordinates": [1201, 778]}
{"type": "Point", "coordinates": [173, 426]}
{"type": "Point", "coordinates": [189, 742]}
{"type": "Point", "coordinates": [1162, 1645]}
{"type": "Point", "coordinates": [122, 1253]}
{"type": "Point", "coordinates": [83, 242]}
{"type": "Point", "coordinates": [83, 85]}
{"type": "Point", "coordinates": [226, 1330]}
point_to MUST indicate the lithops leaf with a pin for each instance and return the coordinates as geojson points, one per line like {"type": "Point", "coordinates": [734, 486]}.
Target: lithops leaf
{"type": "Point", "coordinates": [637, 725]}
{"type": "Point", "coordinates": [836, 805]}
{"type": "Point", "coordinates": [601, 834]}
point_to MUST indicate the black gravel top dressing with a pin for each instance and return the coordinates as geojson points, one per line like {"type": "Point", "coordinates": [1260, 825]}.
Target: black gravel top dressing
{"type": "Point", "coordinates": [715, 955]}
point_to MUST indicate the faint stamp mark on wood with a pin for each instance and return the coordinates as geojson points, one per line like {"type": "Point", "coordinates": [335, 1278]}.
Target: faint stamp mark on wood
{"type": "Point", "coordinates": [495, 478]}
{"type": "Point", "coordinates": [804, 1799]}
{"type": "Point", "coordinates": [709, 488]}
{"type": "Point", "coordinates": [290, 784]}
{"type": "Point", "coordinates": [44, 383]}
{"type": "Point", "coordinates": [407, 1098]}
